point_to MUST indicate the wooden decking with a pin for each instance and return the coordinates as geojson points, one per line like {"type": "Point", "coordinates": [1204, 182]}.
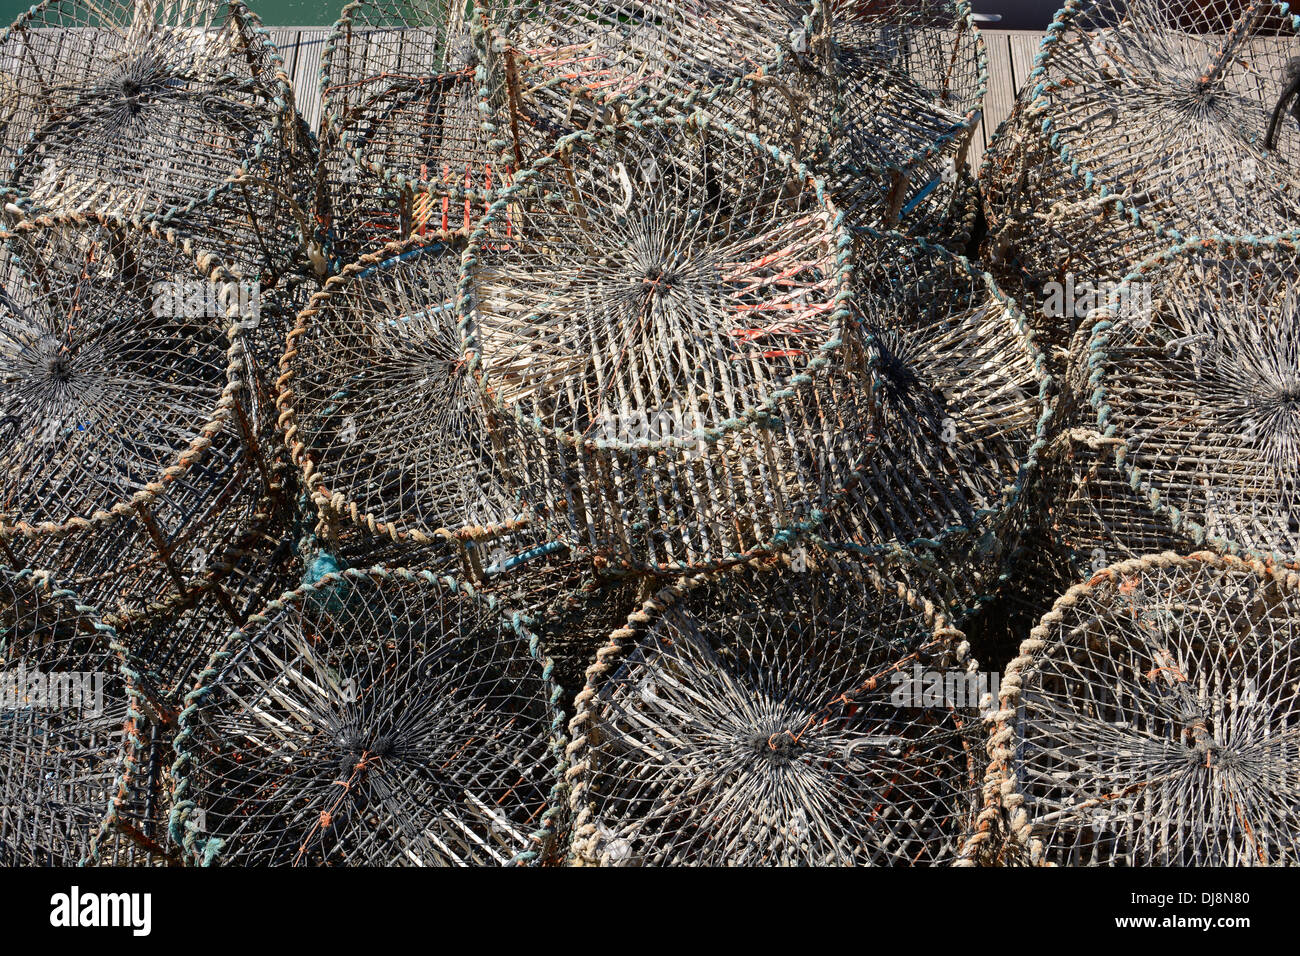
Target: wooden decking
{"type": "Point", "coordinates": [1011, 56]}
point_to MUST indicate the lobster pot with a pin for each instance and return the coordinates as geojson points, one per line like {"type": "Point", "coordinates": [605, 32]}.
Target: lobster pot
{"type": "Point", "coordinates": [404, 150]}
{"type": "Point", "coordinates": [64, 706]}
{"type": "Point", "coordinates": [380, 408]}
{"type": "Point", "coordinates": [661, 331]}
{"type": "Point", "coordinates": [904, 91]}
{"type": "Point", "coordinates": [1150, 721]}
{"type": "Point", "coordinates": [1144, 122]}
{"type": "Point", "coordinates": [777, 717]}
{"type": "Point", "coordinates": [135, 455]}
{"type": "Point", "coordinates": [417, 692]}
{"type": "Point", "coordinates": [1194, 369]}
{"type": "Point", "coordinates": [960, 387]}
{"type": "Point", "coordinates": [166, 111]}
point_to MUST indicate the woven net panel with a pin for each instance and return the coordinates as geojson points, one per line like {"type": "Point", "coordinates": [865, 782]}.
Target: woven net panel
{"type": "Point", "coordinates": [907, 82]}
{"type": "Point", "coordinates": [1154, 719]}
{"type": "Point", "coordinates": [665, 345]}
{"type": "Point", "coordinates": [405, 149]}
{"type": "Point", "coordinates": [1202, 388]}
{"type": "Point", "coordinates": [63, 709]}
{"type": "Point", "coordinates": [133, 454]}
{"type": "Point", "coordinates": [750, 722]}
{"type": "Point", "coordinates": [959, 382]}
{"type": "Point", "coordinates": [381, 409]}
{"type": "Point", "coordinates": [393, 719]}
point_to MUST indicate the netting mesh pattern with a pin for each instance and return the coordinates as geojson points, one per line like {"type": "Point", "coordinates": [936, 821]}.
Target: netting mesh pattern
{"type": "Point", "coordinates": [130, 454]}
{"type": "Point", "coordinates": [404, 145]}
{"type": "Point", "coordinates": [904, 92]}
{"type": "Point", "coordinates": [1151, 720]}
{"type": "Point", "coordinates": [1163, 116]}
{"type": "Point", "coordinates": [1201, 386]}
{"type": "Point", "coordinates": [755, 719]}
{"type": "Point", "coordinates": [658, 318]}
{"type": "Point", "coordinates": [381, 717]}
{"type": "Point", "coordinates": [63, 712]}
{"type": "Point", "coordinates": [179, 112]}
{"type": "Point", "coordinates": [962, 394]}
{"type": "Point", "coordinates": [378, 403]}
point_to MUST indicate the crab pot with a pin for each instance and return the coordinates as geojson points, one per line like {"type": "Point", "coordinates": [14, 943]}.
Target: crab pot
{"type": "Point", "coordinates": [379, 407]}
{"type": "Point", "coordinates": [1149, 721]}
{"type": "Point", "coordinates": [658, 320]}
{"type": "Point", "coordinates": [772, 716]}
{"type": "Point", "coordinates": [404, 148]}
{"type": "Point", "coordinates": [137, 450]}
{"type": "Point", "coordinates": [418, 693]}
{"type": "Point", "coordinates": [161, 111]}
{"type": "Point", "coordinates": [1194, 366]}
{"type": "Point", "coordinates": [962, 394]}
{"type": "Point", "coordinates": [66, 714]}
{"type": "Point", "coordinates": [1144, 123]}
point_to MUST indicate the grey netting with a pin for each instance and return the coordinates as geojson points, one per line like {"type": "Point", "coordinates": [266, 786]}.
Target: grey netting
{"type": "Point", "coordinates": [1143, 118]}
{"type": "Point", "coordinates": [904, 93]}
{"type": "Point", "coordinates": [659, 319]}
{"type": "Point", "coordinates": [133, 452]}
{"type": "Point", "coordinates": [1152, 719]}
{"type": "Point", "coordinates": [960, 387]}
{"type": "Point", "coordinates": [404, 149]}
{"type": "Point", "coordinates": [379, 405]}
{"type": "Point", "coordinates": [372, 718]}
{"type": "Point", "coordinates": [1202, 390]}
{"type": "Point", "coordinates": [63, 711]}
{"type": "Point", "coordinates": [756, 719]}
{"type": "Point", "coordinates": [171, 110]}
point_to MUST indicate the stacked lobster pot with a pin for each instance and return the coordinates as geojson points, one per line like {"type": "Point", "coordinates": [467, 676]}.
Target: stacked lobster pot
{"type": "Point", "coordinates": [1143, 123]}
{"type": "Point", "coordinates": [155, 245]}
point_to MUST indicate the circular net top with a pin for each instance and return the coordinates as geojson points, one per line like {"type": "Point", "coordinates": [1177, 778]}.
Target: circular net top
{"type": "Point", "coordinates": [1197, 372]}
{"type": "Point", "coordinates": [63, 709]}
{"type": "Point", "coordinates": [380, 717]}
{"type": "Point", "coordinates": [380, 407]}
{"type": "Point", "coordinates": [1168, 106]}
{"type": "Point", "coordinates": [1153, 719]}
{"type": "Point", "coordinates": [776, 718]}
{"type": "Point", "coordinates": [147, 108]}
{"type": "Point", "coordinates": [667, 269]}
{"type": "Point", "coordinates": [120, 371]}
{"type": "Point", "coordinates": [959, 382]}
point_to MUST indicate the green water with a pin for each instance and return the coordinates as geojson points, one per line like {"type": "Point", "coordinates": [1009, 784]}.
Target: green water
{"type": "Point", "coordinates": [274, 13]}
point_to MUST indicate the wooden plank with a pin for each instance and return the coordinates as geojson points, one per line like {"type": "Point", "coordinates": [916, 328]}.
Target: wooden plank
{"type": "Point", "coordinates": [1001, 93]}
{"type": "Point", "coordinates": [1024, 50]}
{"type": "Point", "coordinates": [306, 74]}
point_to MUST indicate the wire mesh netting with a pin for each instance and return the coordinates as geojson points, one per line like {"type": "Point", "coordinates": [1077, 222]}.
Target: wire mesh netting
{"type": "Point", "coordinates": [379, 406]}
{"type": "Point", "coordinates": [382, 717]}
{"type": "Point", "coordinates": [63, 711]}
{"type": "Point", "coordinates": [768, 718]}
{"type": "Point", "coordinates": [134, 453]}
{"type": "Point", "coordinates": [659, 320]}
{"type": "Point", "coordinates": [404, 145]}
{"type": "Point", "coordinates": [961, 390]}
{"type": "Point", "coordinates": [1144, 121]}
{"type": "Point", "coordinates": [1202, 387]}
{"type": "Point", "coordinates": [1151, 720]}
{"type": "Point", "coordinates": [904, 91]}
